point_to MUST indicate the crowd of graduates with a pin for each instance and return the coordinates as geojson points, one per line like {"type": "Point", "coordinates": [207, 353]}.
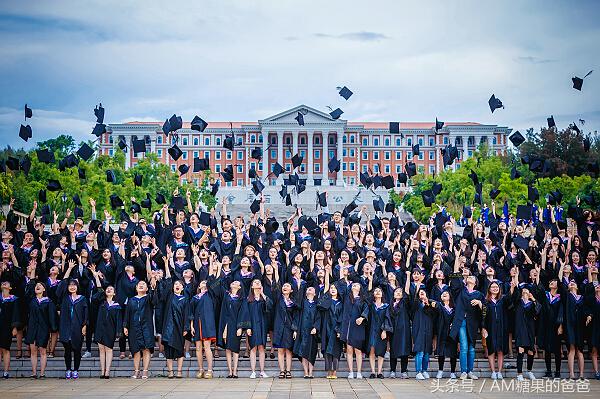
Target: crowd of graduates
{"type": "Point", "coordinates": [344, 285]}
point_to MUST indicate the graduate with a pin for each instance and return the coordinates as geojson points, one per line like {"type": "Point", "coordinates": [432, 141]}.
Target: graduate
{"type": "Point", "coordinates": [526, 310]}
{"type": "Point", "coordinates": [446, 347]}
{"type": "Point", "coordinates": [260, 307]}
{"type": "Point", "coordinates": [354, 328]}
{"type": "Point", "coordinates": [401, 339]}
{"type": "Point", "coordinates": [9, 321]}
{"type": "Point", "coordinates": [232, 323]}
{"type": "Point", "coordinates": [138, 326]}
{"type": "Point", "coordinates": [283, 331]}
{"type": "Point", "coordinates": [203, 328]}
{"type": "Point", "coordinates": [380, 327]}
{"type": "Point", "coordinates": [422, 331]}
{"type": "Point", "coordinates": [495, 327]}
{"type": "Point", "coordinates": [574, 326]}
{"type": "Point", "coordinates": [551, 328]}
{"type": "Point", "coordinates": [593, 299]}
{"type": "Point", "coordinates": [331, 308]}
{"type": "Point", "coordinates": [305, 332]}
{"type": "Point", "coordinates": [73, 321]}
{"type": "Point", "coordinates": [175, 326]}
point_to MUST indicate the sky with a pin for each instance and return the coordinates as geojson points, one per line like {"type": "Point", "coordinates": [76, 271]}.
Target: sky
{"type": "Point", "coordinates": [247, 60]}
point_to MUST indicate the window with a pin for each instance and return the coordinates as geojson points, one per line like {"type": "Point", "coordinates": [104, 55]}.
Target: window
{"type": "Point", "coordinates": [446, 140]}
{"type": "Point", "coordinates": [431, 141]}
{"type": "Point", "coordinates": [240, 140]}
{"type": "Point", "coordinates": [253, 165]}
{"type": "Point", "coordinates": [365, 156]}
{"type": "Point", "coordinates": [110, 152]}
{"type": "Point", "coordinates": [421, 156]}
{"type": "Point", "coordinates": [206, 154]}
{"type": "Point", "coordinates": [317, 154]}
{"type": "Point", "coordinates": [420, 169]}
{"type": "Point", "coordinates": [398, 169]}
{"type": "Point", "coordinates": [317, 140]}
{"type": "Point", "coordinates": [409, 155]}
{"type": "Point", "coordinates": [317, 167]}
{"type": "Point", "coordinates": [273, 140]}
{"type": "Point", "coordinates": [240, 155]}
{"type": "Point", "coordinates": [302, 140]}
{"type": "Point", "coordinates": [331, 140]}
{"type": "Point", "coordinates": [184, 155]}
{"type": "Point", "coordinates": [196, 141]}
{"type": "Point", "coordinates": [387, 168]}
{"type": "Point", "coordinates": [409, 141]}
{"type": "Point", "coordinates": [184, 141]}
{"type": "Point", "coordinates": [240, 168]}
{"type": "Point", "coordinates": [420, 141]}
{"type": "Point", "coordinates": [352, 153]}
{"type": "Point", "coordinates": [376, 141]}
{"type": "Point", "coordinates": [288, 154]}
{"type": "Point", "coordinates": [386, 142]}
{"type": "Point", "coordinates": [218, 168]}
{"type": "Point", "coordinates": [364, 168]}
{"type": "Point", "coordinates": [494, 140]}
{"type": "Point", "coordinates": [352, 139]}
{"type": "Point", "coordinates": [352, 166]}
{"type": "Point", "coordinates": [331, 154]}
{"type": "Point", "coordinates": [260, 138]}
{"type": "Point", "coordinates": [228, 155]}
{"type": "Point", "coordinates": [253, 138]}
{"type": "Point", "coordinates": [158, 140]}
{"type": "Point", "coordinates": [398, 142]}
{"type": "Point", "coordinates": [470, 153]}
{"type": "Point", "coordinates": [302, 168]}
{"type": "Point", "coordinates": [110, 139]}
{"type": "Point", "coordinates": [159, 152]}
{"type": "Point", "coordinates": [365, 141]}
{"type": "Point", "coordinates": [274, 154]}
{"type": "Point", "coordinates": [207, 141]}
{"type": "Point", "coordinates": [344, 166]}
{"type": "Point", "coordinates": [431, 169]}
{"type": "Point", "coordinates": [260, 166]}
{"type": "Point", "coordinates": [173, 166]}
{"type": "Point", "coordinates": [431, 155]}
{"type": "Point", "coordinates": [344, 139]}
{"type": "Point", "coordinates": [386, 155]}
{"type": "Point", "coordinates": [288, 168]}
{"type": "Point", "coordinates": [239, 182]}
{"type": "Point", "coordinates": [184, 181]}
{"type": "Point", "coordinates": [398, 155]}
{"type": "Point", "coordinates": [375, 155]}
{"type": "Point", "coordinates": [302, 153]}
{"type": "Point", "coordinates": [218, 141]}
{"type": "Point", "coordinates": [376, 168]}
{"type": "Point", "coordinates": [218, 155]}
{"type": "Point", "coordinates": [344, 152]}
{"type": "Point", "coordinates": [288, 140]}
{"type": "Point", "coordinates": [228, 184]}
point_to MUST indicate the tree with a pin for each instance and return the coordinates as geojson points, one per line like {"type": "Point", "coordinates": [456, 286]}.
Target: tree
{"type": "Point", "coordinates": [62, 145]}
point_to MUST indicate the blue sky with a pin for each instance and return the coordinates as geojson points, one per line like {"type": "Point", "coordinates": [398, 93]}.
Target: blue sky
{"type": "Point", "coordinates": [246, 60]}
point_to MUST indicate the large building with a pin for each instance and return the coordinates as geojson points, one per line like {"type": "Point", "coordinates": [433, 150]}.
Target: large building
{"type": "Point", "coordinates": [360, 146]}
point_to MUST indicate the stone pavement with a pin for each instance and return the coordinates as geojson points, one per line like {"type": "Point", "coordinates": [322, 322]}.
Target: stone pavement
{"type": "Point", "coordinates": [296, 388]}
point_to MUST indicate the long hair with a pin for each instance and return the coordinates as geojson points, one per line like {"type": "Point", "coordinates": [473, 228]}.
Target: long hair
{"type": "Point", "coordinates": [488, 294]}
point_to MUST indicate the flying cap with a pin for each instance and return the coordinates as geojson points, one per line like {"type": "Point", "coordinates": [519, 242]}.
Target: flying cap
{"type": "Point", "coordinates": [99, 112]}
{"type": "Point", "coordinates": [438, 124]}
{"type": "Point", "coordinates": [160, 199]}
{"type": "Point", "coordinates": [46, 156]}
{"type": "Point", "coordinates": [277, 169]}
{"type": "Point", "coordinates": [53, 185]}
{"type": "Point", "coordinates": [228, 143]}
{"type": "Point", "coordinates": [411, 169]}
{"type": "Point", "coordinates": [517, 138]}
{"type": "Point", "coordinates": [378, 204]}
{"type": "Point", "coordinates": [137, 180]}
{"type": "Point", "coordinates": [415, 150]}
{"type": "Point", "coordinates": [428, 198]}
{"type": "Point", "coordinates": [42, 195]}
{"type": "Point", "coordinates": [257, 187]}
{"type": "Point", "coordinates": [436, 188]}
{"type": "Point", "coordinates": [175, 152]}
{"type": "Point", "coordinates": [494, 103]}
{"type": "Point", "coordinates": [99, 129]}
{"type": "Point", "coordinates": [28, 112]}
{"type": "Point", "coordinates": [402, 178]}
{"type": "Point", "coordinates": [366, 180]}
{"type": "Point", "coordinates": [81, 173]}
{"type": "Point", "coordinates": [322, 199]}
{"type": "Point", "coordinates": [388, 182]}
{"type": "Point", "coordinates": [300, 119]}
{"type": "Point", "coordinates": [227, 173]}
{"type": "Point", "coordinates": [578, 82]}
{"type": "Point", "coordinates": [183, 169]}
{"type": "Point", "coordinates": [85, 152]}
{"type": "Point", "coordinates": [77, 200]}
{"type": "Point", "coordinates": [394, 127]}
{"type": "Point", "coordinates": [115, 201]}
{"type": "Point", "coordinates": [345, 92]}
{"type": "Point", "coordinates": [175, 122]}
{"type": "Point", "coordinates": [198, 124]}
{"type": "Point", "coordinates": [334, 165]}
{"type": "Point", "coordinates": [25, 132]}
{"type": "Point", "coordinates": [514, 173]}
{"type": "Point", "coordinates": [25, 164]}
{"type": "Point", "coordinates": [336, 113]}
{"type": "Point", "coordinates": [494, 193]}
{"type": "Point", "coordinates": [551, 122]}
{"type": "Point", "coordinates": [256, 153]}
{"type": "Point", "coordinates": [110, 176]}
{"type": "Point", "coordinates": [297, 160]}
{"type": "Point", "coordinates": [201, 164]}
{"type": "Point", "coordinates": [255, 206]}
{"type": "Point", "coordinates": [139, 146]}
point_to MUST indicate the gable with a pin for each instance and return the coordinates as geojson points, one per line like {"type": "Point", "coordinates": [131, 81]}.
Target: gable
{"type": "Point", "coordinates": [311, 115]}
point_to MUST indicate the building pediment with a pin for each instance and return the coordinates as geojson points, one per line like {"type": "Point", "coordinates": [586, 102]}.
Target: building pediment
{"type": "Point", "coordinates": [311, 116]}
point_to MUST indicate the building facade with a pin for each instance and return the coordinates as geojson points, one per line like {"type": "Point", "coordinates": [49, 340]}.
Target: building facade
{"type": "Point", "coordinates": [360, 146]}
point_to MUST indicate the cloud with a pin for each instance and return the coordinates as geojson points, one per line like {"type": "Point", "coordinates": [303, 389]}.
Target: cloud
{"type": "Point", "coordinates": [534, 60]}
{"type": "Point", "coordinates": [362, 36]}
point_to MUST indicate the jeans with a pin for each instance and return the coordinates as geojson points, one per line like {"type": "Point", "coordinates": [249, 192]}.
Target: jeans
{"type": "Point", "coordinates": [467, 351]}
{"type": "Point", "coordinates": [421, 361]}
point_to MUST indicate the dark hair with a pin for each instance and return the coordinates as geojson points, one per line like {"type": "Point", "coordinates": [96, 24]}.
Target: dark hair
{"type": "Point", "coordinates": [488, 294]}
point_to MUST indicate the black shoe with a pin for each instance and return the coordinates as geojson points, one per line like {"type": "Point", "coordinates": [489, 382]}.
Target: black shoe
{"type": "Point", "coordinates": [380, 376]}
{"type": "Point", "coordinates": [557, 374]}
{"type": "Point", "coordinates": [271, 355]}
{"type": "Point", "coordinates": [548, 374]}
{"type": "Point", "coordinates": [372, 375]}
{"type": "Point", "coordinates": [229, 376]}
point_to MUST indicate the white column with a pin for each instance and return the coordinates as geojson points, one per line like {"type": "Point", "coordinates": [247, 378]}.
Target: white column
{"type": "Point", "coordinates": [128, 152]}
{"type": "Point", "coordinates": [153, 144]}
{"type": "Point", "coordinates": [247, 160]}
{"type": "Point", "coordinates": [340, 157]}
{"type": "Point", "coordinates": [265, 158]}
{"type": "Point", "coordinates": [465, 139]}
{"type": "Point", "coordinates": [309, 156]}
{"type": "Point", "coordinates": [325, 158]}
{"type": "Point", "coordinates": [295, 135]}
{"type": "Point", "coordinates": [280, 154]}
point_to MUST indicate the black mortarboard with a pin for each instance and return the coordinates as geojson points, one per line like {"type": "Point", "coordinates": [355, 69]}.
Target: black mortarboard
{"type": "Point", "coordinates": [78, 212]}
{"type": "Point", "coordinates": [551, 122]}
{"type": "Point", "coordinates": [324, 217]}
{"type": "Point", "coordinates": [139, 146]}
{"type": "Point", "coordinates": [310, 224]}
{"type": "Point", "coordinates": [46, 156]}
{"type": "Point", "coordinates": [283, 191]}
{"type": "Point", "coordinates": [376, 181]}
{"type": "Point", "coordinates": [175, 152]}
{"type": "Point", "coordinates": [293, 179]}
{"type": "Point", "coordinates": [110, 176]}
{"type": "Point", "coordinates": [587, 143]}
{"type": "Point", "coordinates": [478, 199]}
{"type": "Point", "coordinates": [554, 197]}
{"type": "Point", "coordinates": [277, 169]}
{"type": "Point", "coordinates": [336, 113]}
{"type": "Point", "coordinates": [137, 180]}
{"type": "Point", "coordinates": [175, 123]}
{"type": "Point", "coordinates": [524, 212]}
{"type": "Point", "coordinates": [198, 124]}
{"type": "Point", "coordinates": [378, 205]}
{"type": "Point", "coordinates": [77, 200]}
{"type": "Point", "coordinates": [252, 173]}
{"type": "Point", "coordinates": [85, 152]}
{"type": "Point", "coordinates": [428, 198]}
{"type": "Point", "coordinates": [300, 119]}
{"type": "Point", "coordinates": [345, 92]}
{"type": "Point", "coordinates": [256, 153]}
{"type": "Point", "coordinates": [67, 162]}
{"type": "Point", "coordinates": [204, 219]}
{"type": "Point", "coordinates": [25, 164]}
{"type": "Point", "coordinates": [494, 103]}
{"type": "Point", "coordinates": [349, 208]}
{"type": "Point", "coordinates": [288, 200]}
{"type": "Point", "coordinates": [300, 188]}
{"type": "Point", "coordinates": [201, 164]}
{"type": "Point", "coordinates": [53, 185]}
{"type": "Point", "coordinates": [411, 227]}
{"type": "Point", "coordinates": [228, 143]}
{"type": "Point", "coordinates": [514, 173]}
{"type": "Point", "coordinates": [99, 129]}
{"type": "Point", "coordinates": [376, 223]}
{"type": "Point", "coordinates": [99, 112]}
{"type": "Point", "coordinates": [322, 199]}
{"type": "Point", "coordinates": [160, 199]}
{"type": "Point", "coordinates": [438, 124]}
{"type": "Point", "coordinates": [494, 193]}
{"type": "Point", "coordinates": [574, 127]}
{"type": "Point", "coordinates": [257, 187]}
{"type": "Point", "coordinates": [467, 212]}
{"type": "Point", "coordinates": [135, 208]}
{"type": "Point", "coordinates": [25, 132]}
{"type": "Point", "coordinates": [517, 138]}
{"type": "Point", "coordinates": [214, 188]}
{"type": "Point", "coordinates": [532, 194]}
{"type": "Point", "coordinates": [388, 182]}
{"type": "Point", "coordinates": [271, 226]}
{"type": "Point", "coordinates": [297, 161]}
{"type": "Point", "coordinates": [227, 173]}
{"type": "Point", "coordinates": [42, 195]}
{"type": "Point", "coordinates": [122, 143]}
{"type": "Point", "coordinates": [255, 206]}
{"type": "Point", "coordinates": [411, 169]}
{"type": "Point", "coordinates": [115, 201]}
{"type": "Point", "coordinates": [28, 112]}
{"type": "Point", "coordinates": [45, 210]}
{"type": "Point", "coordinates": [166, 127]}
{"type": "Point", "coordinates": [402, 178]}
{"type": "Point", "coordinates": [390, 207]}
{"type": "Point", "coordinates": [521, 242]}
{"type": "Point", "coordinates": [536, 165]}
{"type": "Point", "coordinates": [12, 163]}
{"type": "Point", "coordinates": [81, 173]}
{"type": "Point", "coordinates": [578, 82]}
{"type": "Point", "coordinates": [415, 150]}
{"type": "Point", "coordinates": [183, 169]}
{"type": "Point", "coordinates": [128, 232]}
{"type": "Point", "coordinates": [365, 180]}
{"type": "Point", "coordinates": [334, 165]}
{"type": "Point", "coordinates": [394, 127]}
{"type": "Point", "coordinates": [147, 202]}
{"type": "Point", "coordinates": [474, 177]}
{"type": "Point", "coordinates": [436, 188]}
{"type": "Point", "coordinates": [177, 202]}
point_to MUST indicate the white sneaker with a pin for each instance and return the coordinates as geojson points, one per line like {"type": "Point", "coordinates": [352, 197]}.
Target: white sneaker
{"type": "Point", "coordinates": [404, 375]}
{"type": "Point", "coordinates": [359, 376]}
{"type": "Point", "coordinates": [472, 376]}
{"type": "Point", "coordinates": [161, 355]}
{"type": "Point", "coordinates": [420, 376]}
{"type": "Point", "coordinates": [263, 375]}
{"type": "Point", "coordinates": [187, 355]}
{"type": "Point", "coordinates": [439, 375]}
{"type": "Point", "coordinates": [392, 374]}
{"type": "Point", "coordinates": [520, 378]}
{"type": "Point", "coordinates": [253, 375]}
{"type": "Point", "coordinates": [530, 375]}
{"type": "Point", "coordinates": [463, 376]}
{"type": "Point", "coordinates": [387, 355]}
{"type": "Point", "coordinates": [351, 375]}
{"type": "Point", "coordinates": [86, 354]}
{"type": "Point", "coordinates": [494, 376]}
{"type": "Point", "coordinates": [426, 375]}
{"type": "Point", "coordinates": [452, 376]}
{"type": "Point", "coordinates": [499, 375]}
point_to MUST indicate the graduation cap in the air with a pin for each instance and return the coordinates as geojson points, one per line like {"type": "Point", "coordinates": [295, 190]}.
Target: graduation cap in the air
{"type": "Point", "coordinates": [45, 210]}
{"type": "Point", "coordinates": [147, 202]}
{"type": "Point", "coordinates": [411, 169]}
{"type": "Point", "coordinates": [177, 202]}
{"type": "Point", "coordinates": [365, 180]}
{"type": "Point", "coordinates": [293, 180]}
{"type": "Point", "coordinates": [78, 212]}
{"type": "Point", "coordinates": [449, 154]}
{"type": "Point", "coordinates": [467, 212]}
{"type": "Point", "coordinates": [277, 169]}
{"type": "Point", "coordinates": [201, 164]}
{"type": "Point", "coordinates": [256, 153]}
{"type": "Point", "coordinates": [428, 198]}
{"type": "Point", "coordinates": [402, 178]}
{"type": "Point", "coordinates": [322, 199]}
{"type": "Point", "coordinates": [575, 127]}
{"type": "Point", "coordinates": [175, 152]}
{"type": "Point", "coordinates": [137, 180]}
{"type": "Point", "coordinates": [99, 112]}
{"type": "Point", "coordinates": [110, 176]}
{"type": "Point", "coordinates": [283, 192]}
{"type": "Point", "coordinates": [416, 150]}
{"type": "Point", "coordinates": [349, 208]}
{"type": "Point", "coordinates": [229, 142]}
{"type": "Point", "coordinates": [85, 152]}
{"type": "Point", "coordinates": [198, 124]}
{"type": "Point", "coordinates": [77, 200]}
{"type": "Point", "coordinates": [227, 173]}
{"type": "Point", "coordinates": [42, 195]}
{"type": "Point", "coordinates": [395, 127]}
{"type": "Point", "coordinates": [81, 173]}
{"type": "Point", "coordinates": [521, 242]}
{"type": "Point", "coordinates": [255, 206]}
{"type": "Point", "coordinates": [69, 161]}
{"type": "Point", "coordinates": [438, 124]}
{"type": "Point", "coordinates": [551, 122]}
{"type": "Point", "coordinates": [300, 119]}
{"type": "Point", "coordinates": [478, 198]}
{"type": "Point", "coordinates": [376, 181]}
{"type": "Point", "coordinates": [214, 188]}
{"type": "Point", "coordinates": [436, 188]}
{"type": "Point", "coordinates": [122, 143]}
{"type": "Point", "coordinates": [297, 161]}
{"type": "Point", "coordinates": [334, 165]}
{"type": "Point", "coordinates": [300, 188]}
{"type": "Point", "coordinates": [336, 113]}
{"type": "Point", "coordinates": [160, 199]}
{"type": "Point", "coordinates": [25, 164]}
{"type": "Point", "coordinates": [578, 82]}
{"type": "Point", "coordinates": [115, 201]}
{"type": "Point", "coordinates": [536, 165]}
{"type": "Point", "coordinates": [555, 197]}
{"type": "Point", "coordinates": [45, 155]}
{"type": "Point", "coordinates": [183, 169]}
{"type": "Point", "coordinates": [587, 144]}
{"type": "Point", "coordinates": [204, 219]}
{"type": "Point", "coordinates": [252, 173]}
{"type": "Point", "coordinates": [494, 103]}
{"type": "Point", "coordinates": [378, 204]}
{"type": "Point", "coordinates": [166, 127]}
{"type": "Point", "coordinates": [53, 185]}
{"type": "Point", "coordinates": [175, 122]}
{"type": "Point", "coordinates": [388, 182]}
{"type": "Point", "coordinates": [135, 207]}
{"type": "Point", "coordinates": [411, 227]}
{"type": "Point", "coordinates": [390, 206]}
{"type": "Point", "coordinates": [524, 212]}
{"type": "Point", "coordinates": [99, 129]}
{"type": "Point", "coordinates": [517, 138]}
{"type": "Point", "coordinates": [139, 146]}
{"type": "Point", "coordinates": [257, 187]}
{"type": "Point", "coordinates": [28, 112]}
{"type": "Point", "coordinates": [474, 177]}
{"type": "Point", "coordinates": [12, 163]}
{"type": "Point", "coordinates": [310, 224]}
{"type": "Point", "coordinates": [494, 193]}
{"type": "Point", "coordinates": [25, 132]}
{"type": "Point", "coordinates": [288, 200]}
{"type": "Point", "coordinates": [514, 173]}
{"type": "Point", "coordinates": [345, 92]}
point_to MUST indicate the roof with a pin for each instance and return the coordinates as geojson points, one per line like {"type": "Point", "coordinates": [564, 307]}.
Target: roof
{"type": "Point", "coordinates": [187, 125]}
{"type": "Point", "coordinates": [366, 125]}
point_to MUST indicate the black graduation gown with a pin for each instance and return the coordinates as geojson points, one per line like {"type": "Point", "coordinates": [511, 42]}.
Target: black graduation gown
{"type": "Point", "coordinates": [9, 319]}
{"type": "Point", "coordinates": [202, 315]}
{"type": "Point", "coordinates": [525, 315]}
{"type": "Point", "coordinates": [379, 320]}
{"type": "Point", "coordinates": [331, 324]}
{"type": "Point", "coordinates": [42, 320]}
{"type": "Point", "coordinates": [258, 312]}
{"type": "Point", "coordinates": [550, 318]}
{"type": "Point", "coordinates": [234, 315]}
{"type": "Point", "coordinates": [285, 319]}
{"type": "Point", "coordinates": [445, 346]}
{"type": "Point", "coordinates": [175, 322]}
{"type": "Point", "coordinates": [109, 323]}
{"type": "Point", "coordinates": [574, 320]}
{"type": "Point", "coordinates": [138, 321]}
{"type": "Point", "coordinates": [594, 311]}
{"type": "Point", "coordinates": [353, 334]}
{"type": "Point", "coordinates": [305, 346]}
{"type": "Point", "coordinates": [73, 316]}
{"type": "Point", "coordinates": [464, 311]}
{"type": "Point", "coordinates": [401, 340]}
{"type": "Point", "coordinates": [422, 326]}
{"type": "Point", "coordinates": [495, 321]}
